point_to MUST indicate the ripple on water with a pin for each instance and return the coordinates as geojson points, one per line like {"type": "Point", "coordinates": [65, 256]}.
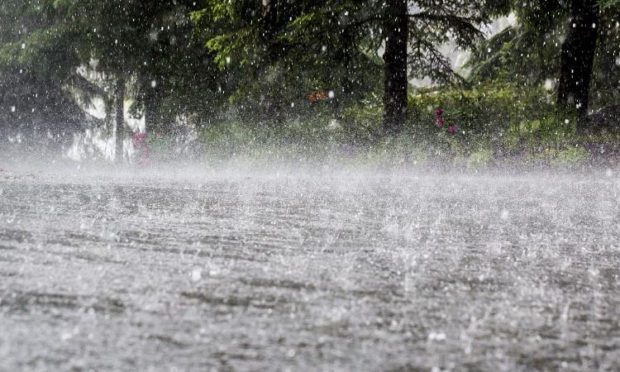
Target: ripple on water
{"type": "Point", "coordinates": [387, 272]}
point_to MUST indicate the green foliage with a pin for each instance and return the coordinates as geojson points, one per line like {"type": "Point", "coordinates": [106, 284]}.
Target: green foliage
{"type": "Point", "coordinates": [495, 121]}
{"type": "Point", "coordinates": [244, 70]}
{"type": "Point", "coordinates": [529, 53]}
{"type": "Point", "coordinates": [324, 46]}
{"type": "Point", "coordinates": [572, 156]}
{"type": "Point", "coordinates": [480, 158]}
{"type": "Point", "coordinates": [608, 3]}
{"type": "Point", "coordinates": [363, 120]}
{"type": "Point", "coordinates": [516, 55]}
{"type": "Point", "coordinates": [488, 110]}
{"type": "Point", "coordinates": [278, 52]}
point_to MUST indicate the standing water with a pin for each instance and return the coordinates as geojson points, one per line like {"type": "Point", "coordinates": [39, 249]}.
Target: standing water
{"type": "Point", "coordinates": [315, 270]}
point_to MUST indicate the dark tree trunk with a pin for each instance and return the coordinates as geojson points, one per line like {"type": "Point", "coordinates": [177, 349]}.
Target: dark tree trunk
{"type": "Point", "coordinates": [578, 57]}
{"type": "Point", "coordinates": [395, 70]}
{"type": "Point", "coordinates": [119, 95]}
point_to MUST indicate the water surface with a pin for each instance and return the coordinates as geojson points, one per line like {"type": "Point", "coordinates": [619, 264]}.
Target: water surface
{"type": "Point", "coordinates": [309, 270]}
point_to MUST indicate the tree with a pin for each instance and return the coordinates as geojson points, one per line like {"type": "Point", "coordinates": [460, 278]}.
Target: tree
{"type": "Point", "coordinates": [119, 96]}
{"type": "Point", "coordinates": [571, 42]}
{"type": "Point", "coordinates": [276, 54]}
{"type": "Point", "coordinates": [299, 33]}
{"type": "Point", "coordinates": [395, 60]}
{"type": "Point", "coordinates": [146, 47]}
{"type": "Point", "coordinates": [36, 60]}
{"type": "Point", "coordinates": [577, 57]}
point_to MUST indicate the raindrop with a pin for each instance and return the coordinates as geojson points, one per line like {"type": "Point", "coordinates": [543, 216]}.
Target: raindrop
{"type": "Point", "coordinates": [436, 336]}
{"type": "Point", "coordinates": [153, 83]}
{"type": "Point", "coordinates": [331, 94]}
{"type": "Point", "coordinates": [23, 45]}
{"type": "Point", "coordinates": [504, 215]}
{"type": "Point", "coordinates": [196, 275]}
{"type": "Point", "coordinates": [549, 84]}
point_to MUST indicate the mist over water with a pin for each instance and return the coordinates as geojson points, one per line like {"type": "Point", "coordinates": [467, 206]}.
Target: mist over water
{"type": "Point", "coordinates": [311, 267]}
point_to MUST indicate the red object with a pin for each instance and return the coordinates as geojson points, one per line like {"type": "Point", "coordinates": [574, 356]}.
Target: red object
{"type": "Point", "coordinates": [318, 96]}
{"type": "Point", "coordinates": [452, 128]}
{"type": "Point", "coordinates": [441, 122]}
{"type": "Point", "coordinates": [438, 112]}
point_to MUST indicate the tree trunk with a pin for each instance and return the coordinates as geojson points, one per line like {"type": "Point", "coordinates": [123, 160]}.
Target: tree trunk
{"type": "Point", "coordinates": [577, 58]}
{"type": "Point", "coordinates": [120, 116]}
{"type": "Point", "coordinates": [109, 114]}
{"type": "Point", "coordinates": [395, 68]}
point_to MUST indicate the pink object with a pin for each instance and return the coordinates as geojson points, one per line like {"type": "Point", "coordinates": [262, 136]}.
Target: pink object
{"type": "Point", "coordinates": [141, 147]}
{"type": "Point", "coordinates": [438, 112]}
{"type": "Point", "coordinates": [441, 122]}
{"type": "Point", "coordinates": [452, 128]}
{"type": "Point", "coordinates": [138, 140]}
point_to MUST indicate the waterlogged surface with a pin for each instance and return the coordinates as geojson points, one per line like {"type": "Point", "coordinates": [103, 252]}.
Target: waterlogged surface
{"type": "Point", "coordinates": [310, 271]}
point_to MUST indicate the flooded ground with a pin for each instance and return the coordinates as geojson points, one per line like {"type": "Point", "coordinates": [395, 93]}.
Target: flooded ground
{"type": "Point", "coordinates": [317, 270]}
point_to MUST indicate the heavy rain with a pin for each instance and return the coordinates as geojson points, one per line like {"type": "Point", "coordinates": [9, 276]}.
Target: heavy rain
{"type": "Point", "coordinates": [392, 185]}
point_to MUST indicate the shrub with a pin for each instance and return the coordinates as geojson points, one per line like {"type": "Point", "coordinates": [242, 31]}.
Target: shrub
{"type": "Point", "coordinates": [570, 157]}
{"type": "Point", "coordinates": [489, 109]}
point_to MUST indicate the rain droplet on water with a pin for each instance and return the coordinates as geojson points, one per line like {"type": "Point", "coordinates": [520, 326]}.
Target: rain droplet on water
{"type": "Point", "coordinates": [436, 336]}
{"type": "Point", "coordinates": [196, 275]}
{"type": "Point", "coordinates": [504, 215]}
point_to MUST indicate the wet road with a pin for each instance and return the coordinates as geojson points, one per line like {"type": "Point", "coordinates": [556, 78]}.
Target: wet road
{"type": "Point", "coordinates": [310, 271]}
